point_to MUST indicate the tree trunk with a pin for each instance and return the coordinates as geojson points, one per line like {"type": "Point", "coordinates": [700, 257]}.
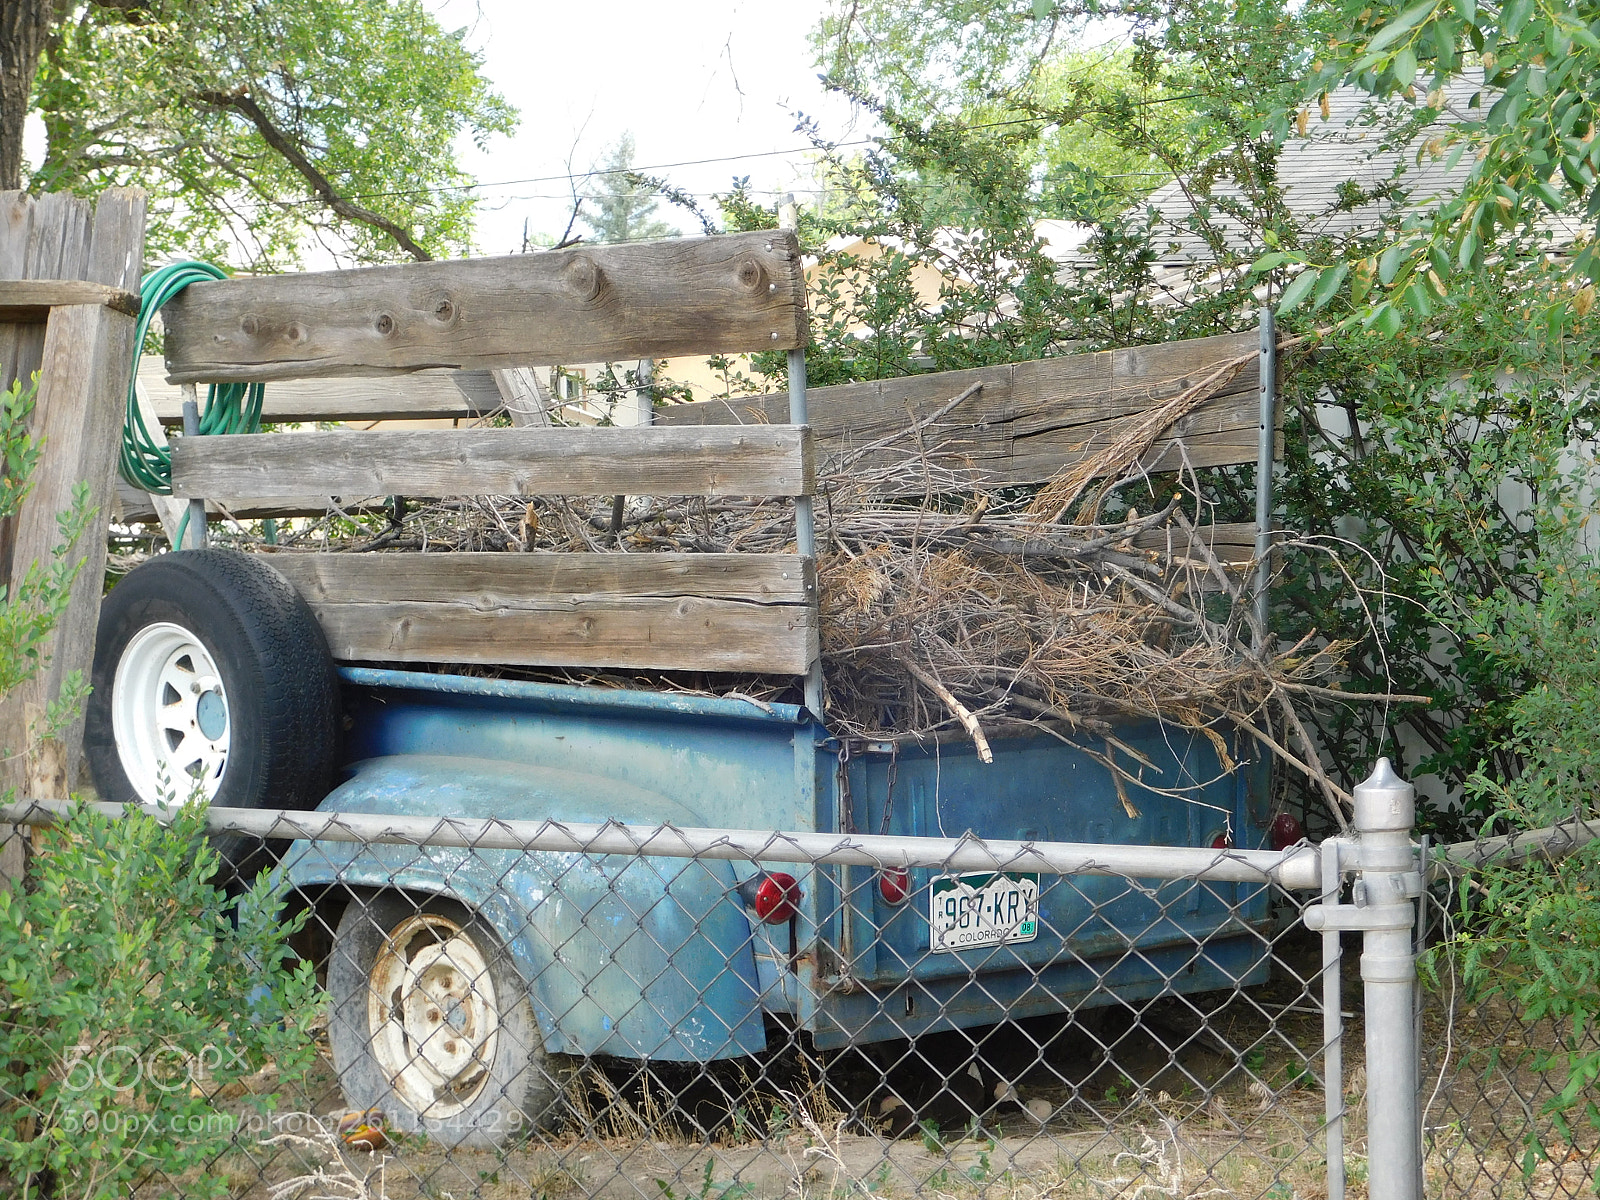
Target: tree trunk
{"type": "Point", "coordinates": [24, 26]}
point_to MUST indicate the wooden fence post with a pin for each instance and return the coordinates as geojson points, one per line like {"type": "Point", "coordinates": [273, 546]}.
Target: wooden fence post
{"type": "Point", "coordinates": [80, 341]}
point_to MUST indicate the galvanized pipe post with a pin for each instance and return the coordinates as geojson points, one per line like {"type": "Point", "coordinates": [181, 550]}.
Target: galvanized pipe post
{"type": "Point", "coordinates": [1385, 808]}
{"type": "Point", "coordinates": [1266, 447]}
{"type": "Point", "coordinates": [805, 523]}
{"type": "Point", "coordinates": [1387, 883]}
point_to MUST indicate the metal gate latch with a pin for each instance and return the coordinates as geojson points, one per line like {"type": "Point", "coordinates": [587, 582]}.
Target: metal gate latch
{"type": "Point", "coordinates": [1369, 911]}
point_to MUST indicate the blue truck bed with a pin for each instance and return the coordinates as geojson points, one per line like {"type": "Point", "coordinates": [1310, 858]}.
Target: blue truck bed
{"type": "Point", "coordinates": [656, 958]}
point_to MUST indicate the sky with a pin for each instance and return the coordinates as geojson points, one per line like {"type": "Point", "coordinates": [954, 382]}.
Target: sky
{"type": "Point", "coordinates": [693, 80]}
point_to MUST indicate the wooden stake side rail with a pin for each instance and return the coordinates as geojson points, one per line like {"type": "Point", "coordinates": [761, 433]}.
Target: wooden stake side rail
{"type": "Point", "coordinates": [767, 460]}
{"type": "Point", "coordinates": [692, 612]}
{"type": "Point", "coordinates": [1027, 421]}
{"type": "Point", "coordinates": [441, 394]}
{"type": "Point", "coordinates": [32, 299]}
{"type": "Point", "coordinates": [730, 294]}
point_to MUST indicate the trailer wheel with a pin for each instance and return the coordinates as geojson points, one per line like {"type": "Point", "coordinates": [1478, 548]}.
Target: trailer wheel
{"type": "Point", "coordinates": [211, 675]}
{"type": "Point", "coordinates": [431, 1024]}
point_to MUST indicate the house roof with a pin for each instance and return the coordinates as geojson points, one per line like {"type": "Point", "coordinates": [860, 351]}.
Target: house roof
{"type": "Point", "coordinates": [1350, 145]}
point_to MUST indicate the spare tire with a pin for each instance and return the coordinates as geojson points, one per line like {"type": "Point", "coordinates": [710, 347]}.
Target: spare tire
{"type": "Point", "coordinates": [211, 675]}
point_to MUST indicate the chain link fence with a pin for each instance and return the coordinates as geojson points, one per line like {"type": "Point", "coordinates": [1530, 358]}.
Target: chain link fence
{"type": "Point", "coordinates": [661, 1018]}
{"type": "Point", "coordinates": [1492, 1075]}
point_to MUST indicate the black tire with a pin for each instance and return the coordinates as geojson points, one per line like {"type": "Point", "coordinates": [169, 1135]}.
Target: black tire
{"type": "Point", "coordinates": [282, 695]}
{"type": "Point", "coordinates": [385, 1049]}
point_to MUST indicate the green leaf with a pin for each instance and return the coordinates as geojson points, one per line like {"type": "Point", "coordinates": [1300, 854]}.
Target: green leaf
{"type": "Point", "coordinates": [1389, 263]}
{"type": "Point", "coordinates": [1041, 9]}
{"type": "Point", "coordinates": [1298, 289]}
{"type": "Point", "coordinates": [1267, 261]}
{"type": "Point", "coordinates": [1468, 251]}
{"type": "Point", "coordinates": [1401, 25]}
{"type": "Point", "coordinates": [1330, 283]}
{"type": "Point", "coordinates": [1416, 298]}
{"type": "Point", "coordinates": [1553, 200]}
{"type": "Point", "coordinates": [1405, 67]}
{"type": "Point", "coordinates": [1468, 10]}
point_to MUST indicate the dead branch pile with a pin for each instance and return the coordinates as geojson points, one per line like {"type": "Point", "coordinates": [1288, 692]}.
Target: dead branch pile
{"type": "Point", "coordinates": [965, 612]}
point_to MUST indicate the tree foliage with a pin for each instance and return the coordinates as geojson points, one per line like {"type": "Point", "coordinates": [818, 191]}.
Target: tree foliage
{"type": "Point", "coordinates": [1527, 131]}
{"type": "Point", "coordinates": [619, 205]}
{"type": "Point", "coordinates": [256, 126]}
{"type": "Point", "coordinates": [1412, 461]}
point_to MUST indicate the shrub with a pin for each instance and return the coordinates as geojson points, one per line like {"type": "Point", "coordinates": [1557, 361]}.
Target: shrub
{"type": "Point", "coordinates": [132, 989]}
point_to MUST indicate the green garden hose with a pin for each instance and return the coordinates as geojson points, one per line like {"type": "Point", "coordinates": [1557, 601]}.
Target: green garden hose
{"type": "Point", "coordinates": [230, 407]}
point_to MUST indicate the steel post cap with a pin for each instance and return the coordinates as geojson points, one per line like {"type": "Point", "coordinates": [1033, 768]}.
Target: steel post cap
{"type": "Point", "coordinates": [1384, 801]}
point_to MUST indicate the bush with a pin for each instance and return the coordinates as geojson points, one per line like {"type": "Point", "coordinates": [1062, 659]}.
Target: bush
{"type": "Point", "coordinates": [1531, 931]}
{"type": "Point", "coordinates": [133, 989]}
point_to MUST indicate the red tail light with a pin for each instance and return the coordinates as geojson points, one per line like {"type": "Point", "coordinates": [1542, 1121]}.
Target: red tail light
{"type": "Point", "coordinates": [1285, 831]}
{"type": "Point", "coordinates": [1222, 840]}
{"type": "Point", "coordinates": [894, 884]}
{"type": "Point", "coordinates": [774, 896]}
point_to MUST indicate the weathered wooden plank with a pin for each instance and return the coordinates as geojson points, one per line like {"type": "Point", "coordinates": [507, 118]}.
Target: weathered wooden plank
{"type": "Point", "coordinates": [134, 506]}
{"type": "Point", "coordinates": [441, 394]}
{"type": "Point", "coordinates": [16, 218]}
{"type": "Point", "coordinates": [494, 580]}
{"type": "Point", "coordinates": [741, 292]}
{"type": "Point", "coordinates": [1027, 421]}
{"type": "Point", "coordinates": [519, 389]}
{"type": "Point", "coordinates": [32, 299]}
{"type": "Point", "coordinates": [85, 364]}
{"type": "Point", "coordinates": [22, 345]}
{"type": "Point", "coordinates": [1234, 543]}
{"type": "Point", "coordinates": [694, 612]}
{"type": "Point", "coordinates": [769, 460]}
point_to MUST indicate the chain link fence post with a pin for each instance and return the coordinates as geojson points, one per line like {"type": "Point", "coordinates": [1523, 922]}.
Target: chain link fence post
{"type": "Point", "coordinates": [1387, 882]}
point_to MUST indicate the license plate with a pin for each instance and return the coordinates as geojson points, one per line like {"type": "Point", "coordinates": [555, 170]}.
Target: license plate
{"type": "Point", "coordinates": [982, 910]}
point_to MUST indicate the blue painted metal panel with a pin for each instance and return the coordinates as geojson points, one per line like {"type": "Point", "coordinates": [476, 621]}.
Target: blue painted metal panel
{"type": "Point", "coordinates": [986, 994]}
{"type": "Point", "coordinates": [639, 957]}
{"type": "Point", "coordinates": [652, 958]}
{"type": "Point", "coordinates": [565, 697]}
{"type": "Point", "coordinates": [1037, 789]}
{"type": "Point", "coordinates": [728, 763]}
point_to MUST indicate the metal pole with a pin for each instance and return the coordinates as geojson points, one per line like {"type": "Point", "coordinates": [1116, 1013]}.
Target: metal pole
{"type": "Point", "coordinates": [1332, 1025]}
{"type": "Point", "coordinates": [1296, 867]}
{"type": "Point", "coordinates": [195, 533]}
{"type": "Point", "coordinates": [1385, 807]}
{"type": "Point", "coordinates": [1266, 445]}
{"type": "Point", "coordinates": [805, 523]}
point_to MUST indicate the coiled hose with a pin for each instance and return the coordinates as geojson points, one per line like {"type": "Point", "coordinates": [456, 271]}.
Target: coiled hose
{"type": "Point", "coordinates": [145, 460]}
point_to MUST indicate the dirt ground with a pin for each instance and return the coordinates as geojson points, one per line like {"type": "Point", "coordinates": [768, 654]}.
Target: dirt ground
{"type": "Point", "coordinates": [1182, 1097]}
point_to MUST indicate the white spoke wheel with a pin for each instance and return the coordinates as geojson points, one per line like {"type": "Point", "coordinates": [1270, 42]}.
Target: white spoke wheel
{"type": "Point", "coordinates": [211, 679]}
{"type": "Point", "coordinates": [169, 714]}
{"type": "Point", "coordinates": [432, 1024]}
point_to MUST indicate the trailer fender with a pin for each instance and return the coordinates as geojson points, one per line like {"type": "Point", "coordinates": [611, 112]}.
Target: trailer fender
{"type": "Point", "coordinates": [630, 956]}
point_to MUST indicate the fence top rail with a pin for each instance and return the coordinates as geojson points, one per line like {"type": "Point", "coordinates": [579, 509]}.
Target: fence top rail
{"type": "Point", "coordinates": [1295, 868]}
{"type": "Point", "coordinates": [730, 294]}
{"type": "Point", "coordinates": [1550, 842]}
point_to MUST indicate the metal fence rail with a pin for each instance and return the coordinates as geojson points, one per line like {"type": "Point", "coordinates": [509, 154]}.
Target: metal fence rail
{"type": "Point", "coordinates": [518, 1009]}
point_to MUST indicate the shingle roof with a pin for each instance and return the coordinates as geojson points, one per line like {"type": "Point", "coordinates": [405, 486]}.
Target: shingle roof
{"type": "Point", "coordinates": [1348, 146]}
